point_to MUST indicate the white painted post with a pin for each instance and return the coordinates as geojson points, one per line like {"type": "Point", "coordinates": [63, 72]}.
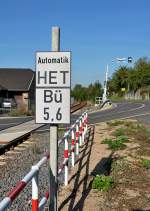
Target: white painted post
{"type": "Point", "coordinates": [35, 198]}
{"type": "Point", "coordinates": [53, 161]}
{"type": "Point", "coordinates": [72, 147]}
{"type": "Point", "coordinates": [86, 121]}
{"type": "Point", "coordinates": [105, 85]}
{"type": "Point", "coordinates": [66, 164]}
{"type": "Point", "coordinates": [77, 138]}
{"type": "Point", "coordinates": [83, 131]}
{"type": "Point", "coordinates": [80, 132]}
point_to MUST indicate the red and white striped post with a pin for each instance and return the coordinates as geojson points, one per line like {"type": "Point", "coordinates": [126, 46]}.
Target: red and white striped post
{"type": "Point", "coordinates": [86, 119]}
{"type": "Point", "coordinates": [43, 201]}
{"type": "Point", "coordinates": [80, 132]}
{"type": "Point", "coordinates": [35, 197]}
{"type": "Point", "coordinates": [12, 195]}
{"type": "Point", "coordinates": [7, 201]}
{"type": "Point", "coordinates": [77, 138]}
{"type": "Point", "coordinates": [66, 156]}
{"type": "Point", "coordinates": [83, 131]}
{"type": "Point", "coordinates": [72, 147]}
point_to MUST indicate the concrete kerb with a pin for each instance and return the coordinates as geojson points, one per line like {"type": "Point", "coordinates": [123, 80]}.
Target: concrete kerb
{"type": "Point", "coordinates": [114, 105]}
{"type": "Point", "coordinates": [15, 117]}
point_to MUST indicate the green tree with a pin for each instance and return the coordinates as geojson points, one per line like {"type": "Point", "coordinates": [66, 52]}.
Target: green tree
{"type": "Point", "coordinates": [131, 79]}
{"type": "Point", "coordinates": [119, 80]}
{"type": "Point", "coordinates": [81, 93]}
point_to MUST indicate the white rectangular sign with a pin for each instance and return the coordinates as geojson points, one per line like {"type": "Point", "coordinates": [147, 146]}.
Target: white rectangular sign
{"type": "Point", "coordinates": [53, 87]}
{"type": "Point", "coordinates": [53, 69]}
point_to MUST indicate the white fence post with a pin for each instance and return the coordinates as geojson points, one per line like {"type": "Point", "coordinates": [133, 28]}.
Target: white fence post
{"type": "Point", "coordinates": [77, 138]}
{"type": "Point", "coordinates": [66, 156]}
{"type": "Point", "coordinates": [72, 147]}
{"type": "Point", "coordinates": [83, 131]}
{"type": "Point", "coordinates": [43, 201]}
{"type": "Point", "coordinates": [35, 198]}
{"type": "Point", "coordinates": [86, 119]}
{"type": "Point", "coordinates": [80, 132]}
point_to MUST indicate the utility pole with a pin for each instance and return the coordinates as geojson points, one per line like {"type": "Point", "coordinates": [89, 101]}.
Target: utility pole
{"type": "Point", "coordinates": [54, 138]}
{"type": "Point", "coordinates": [105, 84]}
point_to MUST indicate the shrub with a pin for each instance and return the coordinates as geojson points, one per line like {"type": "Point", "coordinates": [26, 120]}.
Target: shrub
{"type": "Point", "coordinates": [102, 183]}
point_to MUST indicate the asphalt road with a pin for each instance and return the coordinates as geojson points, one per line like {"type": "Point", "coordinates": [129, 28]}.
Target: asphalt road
{"type": "Point", "coordinates": [124, 110]}
{"type": "Point", "coordinates": [138, 111]}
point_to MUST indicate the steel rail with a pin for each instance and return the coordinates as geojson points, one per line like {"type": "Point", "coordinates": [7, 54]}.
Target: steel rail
{"type": "Point", "coordinates": [6, 147]}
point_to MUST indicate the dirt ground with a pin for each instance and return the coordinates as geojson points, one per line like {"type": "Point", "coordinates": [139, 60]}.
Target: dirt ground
{"type": "Point", "coordinates": [131, 191]}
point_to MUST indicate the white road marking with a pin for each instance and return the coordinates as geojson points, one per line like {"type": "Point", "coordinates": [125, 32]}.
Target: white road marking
{"type": "Point", "coordinates": [15, 117]}
{"type": "Point", "coordinates": [13, 123]}
{"type": "Point", "coordinates": [133, 109]}
{"type": "Point", "coordinates": [132, 116]}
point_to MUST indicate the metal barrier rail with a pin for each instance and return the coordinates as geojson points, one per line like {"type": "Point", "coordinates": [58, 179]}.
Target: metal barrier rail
{"type": "Point", "coordinates": [77, 133]}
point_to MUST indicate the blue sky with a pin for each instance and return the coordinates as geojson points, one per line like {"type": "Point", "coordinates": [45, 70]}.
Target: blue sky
{"type": "Point", "coordinates": [95, 31]}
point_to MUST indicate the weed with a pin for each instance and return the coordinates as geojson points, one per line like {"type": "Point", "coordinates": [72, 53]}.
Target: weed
{"type": "Point", "coordinates": [102, 183]}
{"type": "Point", "coordinates": [36, 149]}
{"type": "Point", "coordinates": [115, 123]}
{"type": "Point", "coordinates": [136, 129]}
{"type": "Point", "coordinates": [123, 138]}
{"type": "Point", "coordinates": [142, 134]}
{"type": "Point", "coordinates": [116, 144]}
{"type": "Point", "coordinates": [145, 163]}
{"type": "Point", "coordinates": [19, 112]}
{"type": "Point", "coordinates": [106, 141]}
{"type": "Point", "coordinates": [119, 132]}
{"type": "Point", "coordinates": [129, 124]}
{"type": "Point", "coordinates": [120, 165]}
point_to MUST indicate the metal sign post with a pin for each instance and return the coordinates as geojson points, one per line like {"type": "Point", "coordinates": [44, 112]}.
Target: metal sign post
{"type": "Point", "coordinates": [105, 85]}
{"type": "Point", "coordinates": [53, 100]}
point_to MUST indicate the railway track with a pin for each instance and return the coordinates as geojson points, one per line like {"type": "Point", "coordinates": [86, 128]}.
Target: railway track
{"type": "Point", "coordinates": [15, 142]}
{"type": "Point", "coordinates": [77, 106]}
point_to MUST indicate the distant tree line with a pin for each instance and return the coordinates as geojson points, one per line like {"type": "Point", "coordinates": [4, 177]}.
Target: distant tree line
{"type": "Point", "coordinates": [127, 79]}
{"type": "Point", "coordinates": [82, 93]}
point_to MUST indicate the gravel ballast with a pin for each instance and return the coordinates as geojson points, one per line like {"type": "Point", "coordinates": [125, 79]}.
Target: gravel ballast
{"type": "Point", "coordinates": [15, 164]}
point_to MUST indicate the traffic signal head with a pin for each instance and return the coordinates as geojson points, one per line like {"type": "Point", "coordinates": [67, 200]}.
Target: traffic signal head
{"type": "Point", "coordinates": [129, 59]}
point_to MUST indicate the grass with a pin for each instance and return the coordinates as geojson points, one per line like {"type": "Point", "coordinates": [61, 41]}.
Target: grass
{"type": "Point", "coordinates": [102, 183]}
{"type": "Point", "coordinates": [132, 129]}
{"type": "Point", "coordinates": [145, 163]}
{"type": "Point", "coordinates": [115, 123]}
{"type": "Point", "coordinates": [119, 165]}
{"type": "Point", "coordinates": [19, 112]}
